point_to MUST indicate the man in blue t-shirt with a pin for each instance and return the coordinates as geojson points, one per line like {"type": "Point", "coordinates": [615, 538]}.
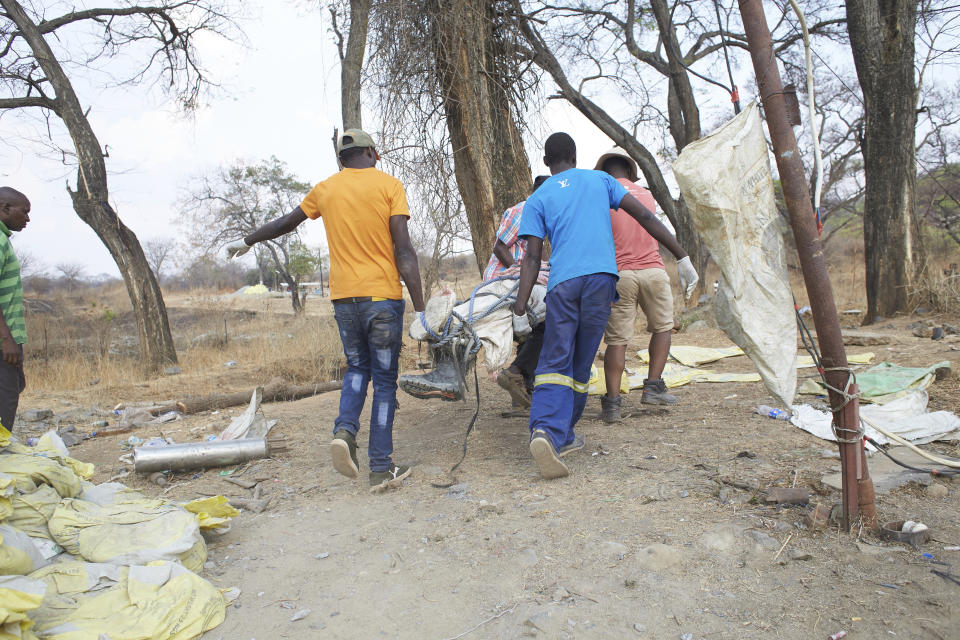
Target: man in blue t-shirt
{"type": "Point", "coordinates": [572, 209]}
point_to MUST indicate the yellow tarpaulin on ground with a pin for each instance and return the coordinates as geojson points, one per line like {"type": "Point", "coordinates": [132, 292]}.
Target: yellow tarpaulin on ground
{"type": "Point", "coordinates": [857, 358]}
{"type": "Point", "coordinates": [18, 554]}
{"type": "Point", "coordinates": [212, 513]}
{"type": "Point", "coordinates": [4, 437]}
{"type": "Point", "coordinates": [30, 471]}
{"type": "Point", "coordinates": [89, 601]}
{"type": "Point", "coordinates": [695, 356]}
{"type": "Point", "coordinates": [18, 596]}
{"type": "Point", "coordinates": [118, 525]}
{"type": "Point", "coordinates": [50, 445]}
{"type": "Point", "coordinates": [30, 511]}
{"type": "Point", "coordinates": [256, 290]}
{"type": "Point", "coordinates": [674, 375]}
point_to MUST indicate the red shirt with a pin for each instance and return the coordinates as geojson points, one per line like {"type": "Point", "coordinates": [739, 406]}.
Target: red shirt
{"type": "Point", "coordinates": [636, 249]}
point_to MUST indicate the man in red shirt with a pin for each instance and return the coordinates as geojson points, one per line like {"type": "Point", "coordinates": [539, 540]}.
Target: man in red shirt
{"type": "Point", "coordinates": [643, 283]}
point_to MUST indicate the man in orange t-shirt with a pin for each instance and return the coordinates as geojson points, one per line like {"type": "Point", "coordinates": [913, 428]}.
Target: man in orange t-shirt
{"type": "Point", "coordinates": [365, 216]}
{"type": "Point", "coordinates": [643, 283]}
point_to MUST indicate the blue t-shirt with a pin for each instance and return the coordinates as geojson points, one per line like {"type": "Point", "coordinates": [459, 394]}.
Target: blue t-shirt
{"type": "Point", "coordinates": [572, 209]}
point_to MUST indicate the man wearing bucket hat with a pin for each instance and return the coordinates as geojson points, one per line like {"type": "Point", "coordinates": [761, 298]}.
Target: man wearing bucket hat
{"type": "Point", "coordinates": [365, 216]}
{"type": "Point", "coordinates": [643, 283]}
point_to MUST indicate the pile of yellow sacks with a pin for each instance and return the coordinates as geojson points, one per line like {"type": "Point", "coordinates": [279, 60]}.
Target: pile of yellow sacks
{"type": "Point", "coordinates": [81, 561]}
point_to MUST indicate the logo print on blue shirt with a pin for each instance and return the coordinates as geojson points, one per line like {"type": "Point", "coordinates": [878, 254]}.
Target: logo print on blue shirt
{"type": "Point", "coordinates": [564, 183]}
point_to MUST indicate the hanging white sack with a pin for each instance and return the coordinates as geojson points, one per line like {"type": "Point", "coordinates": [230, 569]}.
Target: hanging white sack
{"type": "Point", "coordinates": [726, 182]}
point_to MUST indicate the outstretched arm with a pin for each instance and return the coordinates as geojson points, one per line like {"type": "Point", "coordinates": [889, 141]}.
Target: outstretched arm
{"type": "Point", "coordinates": [503, 254]}
{"type": "Point", "coordinates": [406, 258]}
{"type": "Point", "coordinates": [654, 227]}
{"type": "Point", "coordinates": [278, 227]}
{"type": "Point", "coordinates": [529, 269]}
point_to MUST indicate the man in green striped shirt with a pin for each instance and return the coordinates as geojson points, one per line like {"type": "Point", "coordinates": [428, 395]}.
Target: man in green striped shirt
{"type": "Point", "coordinates": [14, 216]}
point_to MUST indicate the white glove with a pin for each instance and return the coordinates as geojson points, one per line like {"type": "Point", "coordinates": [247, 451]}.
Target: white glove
{"type": "Point", "coordinates": [419, 320]}
{"type": "Point", "coordinates": [521, 325]}
{"type": "Point", "coordinates": [237, 249]}
{"type": "Point", "coordinates": [688, 276]}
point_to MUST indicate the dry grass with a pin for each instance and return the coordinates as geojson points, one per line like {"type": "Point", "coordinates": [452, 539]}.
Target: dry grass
{"type": "Point", "coordinates": [938, 290]}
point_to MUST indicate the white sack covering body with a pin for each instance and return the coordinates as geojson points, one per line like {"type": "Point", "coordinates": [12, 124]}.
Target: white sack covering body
{"type": "Point", "coordinates": [494, 330]}
{"type": "Point", "coordinates": [726, 182]}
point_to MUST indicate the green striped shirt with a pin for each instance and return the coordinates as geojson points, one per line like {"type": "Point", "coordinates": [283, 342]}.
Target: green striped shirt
{"type": "Point", "coordinates": [11, 288]}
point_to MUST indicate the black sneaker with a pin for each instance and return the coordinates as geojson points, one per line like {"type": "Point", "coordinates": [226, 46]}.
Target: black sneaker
{"type": "Point", "coordinates": [576, 445]}
{"type": "Point", "coordinates": [655, 392]}
{"type": "Point", "coordinates": [546, 457]}
{"type": "Point", "coordinates": [343, 450]}
{"type": "Point", "coordinates": [392, 478]}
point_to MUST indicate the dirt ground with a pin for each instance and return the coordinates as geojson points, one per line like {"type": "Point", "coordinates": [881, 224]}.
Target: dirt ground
{"type": "Point", "coordinates": [640, 541]}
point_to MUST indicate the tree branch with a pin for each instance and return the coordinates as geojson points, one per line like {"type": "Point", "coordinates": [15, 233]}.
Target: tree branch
{"type": "Point", "coordinates": [37, 101]}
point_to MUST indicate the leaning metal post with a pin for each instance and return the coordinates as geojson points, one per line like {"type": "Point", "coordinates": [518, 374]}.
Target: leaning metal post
{"type": "Point", "coordinates": [843, 400]}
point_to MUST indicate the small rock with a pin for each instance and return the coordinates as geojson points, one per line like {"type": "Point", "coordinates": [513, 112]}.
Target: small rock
{"type": "Point", "coordinates": [321, 556]}
{"type": "Point", "coordinates": [613, 548]}
{"type": "Point", "coordinates": [921, 311]}
{"type": "Point", "coordinates": [317, 626]}
{"type": "Point", "coordinates": [657, 557]}
{"type": "Point", "coordinates": [71, 439]}
{"type": "Point", "coordinates": [458, 491]}
{"type": "Point", "coordinates": [230, 364]}
{"type": "Point", "coordinates": [684, 493]}
{"type": "Point", "coordinates": [937, 491]}
{"type": "Point", "coordinates": [762, 539]}
{"type": "Point", "coordinates": [699, 325]}
{"type": "Point", "coordinates": [639, 628]}
{"type": "Point", "coordinates": [36, 415]}
{"type": "Point", "coordinates": [686, 636]}
{"type": "Point", "coordinates": [560, 593]}
{"type": "Point", "coordinates": [172, 371]}
{"type": "Point", "coordinates": [722, 538]}
{"type": "Point", "coordinates": [725, 495]}
{"type": "Point", "coordinates": [798, 555]}
{"type": "Point", "coordinates": [528, 557]}
{"type": "Point", "coordinates": [300, 615]}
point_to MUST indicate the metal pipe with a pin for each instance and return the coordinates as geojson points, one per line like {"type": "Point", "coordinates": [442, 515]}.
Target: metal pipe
{"type": "Point", "coordinates": [812, 264]}
{"type": "Point", "coordinates": [197, 455]}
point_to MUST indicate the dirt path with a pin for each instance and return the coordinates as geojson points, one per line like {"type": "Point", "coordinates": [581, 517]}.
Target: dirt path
{"type": "Point", "coordinates": [639, 542]}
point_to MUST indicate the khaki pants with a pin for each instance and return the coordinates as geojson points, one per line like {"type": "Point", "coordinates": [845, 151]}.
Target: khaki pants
{"type": "Point", "coordinates": [648, 289]}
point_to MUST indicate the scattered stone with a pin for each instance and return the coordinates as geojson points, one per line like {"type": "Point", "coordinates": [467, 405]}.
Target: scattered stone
{"type": "Point", "coordinates": [36, 415]}
{"type": "Point", "coordinates": [784, 527]}
{"type": "Point", "coordinates": [699, 325]}
{"type": "Point", "coordinates": [172, 371]}
{"type": "Point", "coordinates": [921, 311]}
{"type": "Point", "coordinates": [726, 494]}
{"type": "Point", "coordinates": [71, 439]}
{"type": "Point", "coordinates": [528, 557]}
{"type": "Point", "coordinates": [798, 555]}
{"type": "Point", "coordinates": [762, 539]}
{"type": "Point", "coordinates": [321, 556]}
{"type": "Point", "coordinates": [614, 548]}
{"type": "Point", "coordinates": [318, 626]}
{"type": "Point", "coordinates": [684, 493]}
{"type": "Point", "coordinates": [300, 615]}
{"type": "Point", "coordinates": [489, 507]}
{"type": "Point", "coordinates": [639, 628]}
{"type": "Point", "coordinates": [686, 636]}
{"type": "Point", "coordinates": [657, 557]}
{"type": "Point", "coordinates": [459, 491]}
{"type": "Point", "coordinates": [560, 594]}
{"type": "Point", "coordinates": [787, 495]}
{"type": "Point", "coordinates": [937, 491]}
{"type": "Point", "coordinates": [723, 538]}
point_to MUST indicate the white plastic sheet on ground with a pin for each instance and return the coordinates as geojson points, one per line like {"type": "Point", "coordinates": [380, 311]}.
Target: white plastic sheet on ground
{"type": "Point", "coordinates": [494, 330]}
{"type": "Point", "coordinates": [906, 416]}
{"type": "Point", "coordinates": [250, 423]}
{"type": "Point", "coordinates": [726, 182]}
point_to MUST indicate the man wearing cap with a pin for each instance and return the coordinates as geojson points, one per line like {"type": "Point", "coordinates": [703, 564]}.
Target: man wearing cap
{"type": "Point", "coordinates": [365, 216]}
{"type": "Point", "coordinates": [14, 216]}
{"type": "Point", "coordinates": [643, 283]}
{"type": "Point", "coordinates": [572, 209]}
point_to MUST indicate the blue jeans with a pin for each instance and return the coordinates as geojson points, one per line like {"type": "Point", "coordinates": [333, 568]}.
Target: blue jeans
{"type": "Point", "coordinates": [577, 313]}
{"type": "Point", "coordinates": [371, 333]}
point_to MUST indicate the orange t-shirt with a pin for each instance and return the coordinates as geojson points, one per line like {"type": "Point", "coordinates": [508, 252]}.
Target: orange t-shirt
{"type": "Point", "coordinates": [636, 249]}
{"type": "Point", "coordinates": [356, 205]}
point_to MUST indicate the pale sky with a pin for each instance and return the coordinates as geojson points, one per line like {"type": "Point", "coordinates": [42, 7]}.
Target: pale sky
{"type": "Point", "coordinates": [280, 97]}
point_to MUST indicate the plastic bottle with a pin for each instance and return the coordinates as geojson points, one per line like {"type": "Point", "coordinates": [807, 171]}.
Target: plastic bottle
{"type": "Point", "coordinates": [770, 412]}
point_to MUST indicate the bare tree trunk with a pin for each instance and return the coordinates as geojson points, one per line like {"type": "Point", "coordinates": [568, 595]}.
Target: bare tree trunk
{"type": "Point", "coordinates": [490, 162]}
{"type": "Point", "coordinates": [675, 210]}
{"type": "Point", "coordinates": [882, 40]}
{"type": "Point", "coordinates": [351, 64]}
{"type": "Point", "coordinates": [90, 201]}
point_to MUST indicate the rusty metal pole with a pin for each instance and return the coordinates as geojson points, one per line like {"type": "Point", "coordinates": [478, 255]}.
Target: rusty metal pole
{"type": "Point", "coordinates": [846, 417]}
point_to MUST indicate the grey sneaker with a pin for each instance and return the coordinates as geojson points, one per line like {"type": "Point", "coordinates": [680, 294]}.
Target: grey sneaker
{"type": "Point", "coordinates": [655, 392]}
{"type": "Point", "coordinates": [392, 478]}
{"type": "Point", "coordinates": [576, 445]}
{"type": "Point", "coordinates": [548, 462]}
{"type": "Point", "coordinates": [513, 384]}
{"type": "Point", "coordinates": [343, 450]}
